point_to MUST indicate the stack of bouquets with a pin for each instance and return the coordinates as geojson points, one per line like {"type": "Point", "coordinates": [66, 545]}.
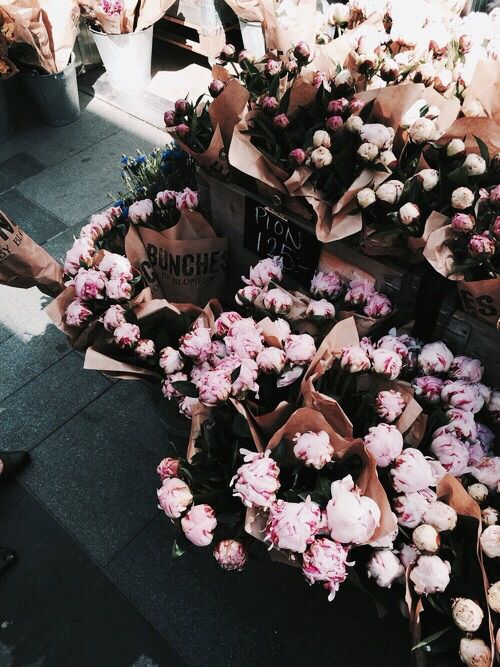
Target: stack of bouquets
{"type": "Point", "coordinates": [390, 470]}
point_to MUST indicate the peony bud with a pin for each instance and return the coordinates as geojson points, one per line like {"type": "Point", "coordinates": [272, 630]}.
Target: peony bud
{"type": "Point", "coordinates": [466, 368]}
{"type": "Point", "coordinates": [474, 652]}
{"type": "Point", "coordinates": [388, 159]}
{"type": "Point", "coordinates": [463, 223]}
{"type": "Point", "coordinates": [494, 597]}
{"type": "Point", "coordinates": [334, 124]}
{"type": "Point", "coordinates": [168, 468]}
{"type": "Point", "coordinates": [320, 310]}
{"type": "Point", "coordinates": [169, 118]}
{"type": "Point", "coordinates": [343, 79]}
{"type": "Point", "coordinates": [429, 179]}
{"type": "Point", "coordinates": [435, 358]}
{"type": "Point", "coordinates": [474, 165]}
{"type": "Point", "coordinates": [430, 575]}
{"type": "Point", "coordinates": [314, 449]}
{"type": "Point", "coordinates": [140, 211]}
{"type": "Point", "coordinates": [214, 387]}
{"type": "Point", "coordinates": [359, 291]}
{"type": "Point", "coordinates": [389, 405]}
{"type": "Point", "coordinates": [337, 107]}
{"type": "Point", "coordinates": [321, 157]}
{"type": "Point", "coordinates": [328, 285]}
{"type": "Point", "coordinates": [354, 359]}
{"type": "Point", "coordinates": [440, 516]}
{"type": "Point", "coordinates": [455, 148]}
{"type": "Point", "coordinates": [228, 51]}
{"type": "Point", "coordinates": [478, 492]}
{"type": "Point", "coordinates": [281, 121]}
{"type": "Point", "coordinates": [198, 525]}
{"type": "Point", "coordinates": [174, 497]}
{"type": "Point", "coordinates": [487, 471]}
{"type": "Point", "coordinates": [384, 442]}
{"type": "Point", "coordinates": [489, 516]}
{"type": "Point", "coordinates": [77, 314]}
{"type": "Point", "coordinates": [461, 394]}
{"type": "Point", "coordinates": [411, 507]}
{"type": "Point", "coordinates": [368, 152]}
{"type": "Point", "coordinates": [247, 295]}
{"type": "Point", "coordinates": [462, 198]}
{"type": "Point", "coordinates": [451, 452]}
{"type": "Point", "coordinates": [354, 124]}
{"type": "Point", "coordinates": [231, 555]}
{"type": "Point", "coordinates": [390, 191]}
{"type": "Point", "coordinates": [325, 561]}
{"type": "Point", "coordinates": [366, 197]}
{"type": "Point", "coordinates": [302, 50]}
{"type": "Point", "coordinates": [428, 388]}
{"type": "Point", "coordinates": [467, 615]}
{"type": "Point", "coordinates": [127, 335]}
{"type": "Point", "coordinates": [352, 518]}
{"type": "Point", "coordinates": [490, 541]}
{"type": "Point", "coordinates": [270, 104]}
{"type": "Point", "coordinates": [113, 317]}
{"type": "Point", "coordinates": [300, 349]}
{"type": "Point", "coordinates": [386, 363]}
{"type": "Point", "coordinates": [271, 360]}
{"type": "Point", "coordinates": [291, 525]}
{"type": "Point", "coordinates": [145, 348]}
{"type": "Point", "coordinates": [481, 246]}
{"type": "Point", "coordinates": [216, 87]}
{"type": "Point", "coordinates": [182, 130]}
{"type": "Point", "coordinates": [409, 214]}
{"type": "Point", "coordinates": [422, 130]}
{"type": "Point", "coordinates": [385, 568]}
{"type": "Point", "coordinates": [411, 471]}
{"type": "Point", "coordinates": [297, 157]}
{"type": "Point", "coordinates": [426, 538]}
{"type": "Point", "coordinates": [278, 301]}
{"type": "Point", "coordinates": [256, 481]}
{"type": "Point", "coordinates": [389, 70]}
{"type": "Point", "coordinates": [339, 14]}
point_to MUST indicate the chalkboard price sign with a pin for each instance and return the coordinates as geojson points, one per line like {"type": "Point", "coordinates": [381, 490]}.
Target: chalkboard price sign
{"type": "Point", "coordinates": [267, 234]}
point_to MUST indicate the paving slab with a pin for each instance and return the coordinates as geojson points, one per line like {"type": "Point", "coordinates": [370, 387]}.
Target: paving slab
{"type": "Point", "coordinates": [36, 221]}
{"type": "Point", "coordinates": [79, 186]}
{"type": "Point", "coordinates": [264, 615]}
{"type": "Point", "coordinates": [58, 608]}
{"type": "Point", "coordinates": [97, 473]}
{"type": "Point", "coordinates": [50, 145]}
{"type": "Point", "coordinates": [58, 245]}
{"type": "Point", "coordinates": [21, 361]}
{"type": "Point", "coordinates": [18, 167]}
{"type": "Point", "coordinates": [22, 312]}
{"type": "Point", "coordinates": [38, 408]}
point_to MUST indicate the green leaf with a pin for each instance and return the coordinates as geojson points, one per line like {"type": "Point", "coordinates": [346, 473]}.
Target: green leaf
{"type": "Point", "coordinates": [185, 388]}
{"type": "Point", "coordinates": [177, 550]}
{"type": "Point", "coordinates": [483, 149]}
{"type": "Point", "coordinates": [432, 638]}
{"type": "Point", "coordinates": [235, 374]}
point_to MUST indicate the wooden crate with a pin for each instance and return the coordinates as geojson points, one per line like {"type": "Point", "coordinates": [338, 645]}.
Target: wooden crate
{"type": "Point", "coordinates": [194, 37]}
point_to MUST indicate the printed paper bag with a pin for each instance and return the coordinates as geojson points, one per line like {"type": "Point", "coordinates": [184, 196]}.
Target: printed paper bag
{"type": "Point", "coordinates": [189, 260]}
{"type": "Point", "coordinates": [481, 298]}
{"type": "Point", "coordinates": [23, 263]}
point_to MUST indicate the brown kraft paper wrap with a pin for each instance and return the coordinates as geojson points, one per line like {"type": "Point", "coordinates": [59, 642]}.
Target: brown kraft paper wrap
{"type": "Point", "coordinates": [151, 11]}
{"type": "Point", "coordinates": [307, 419]}
{"type": "Point", "coordinates": [23, 263]}
{"type": "Point", "coordinates": [189, 260]}
{"type": "Point", "coordinates": [480, 298]}
{"type": "Point", "coordinates": [484, 87]}
{"type": "Point", "coordinates": [485, 128]}
{"type": "Point", "coordinates": [284, 31]}
{"type": "Point", "coordinates": [228, 109]}
{"type": "Point", "coordinates": [213, 158]}
{"type": "Point", "coordinates": [247, 10]}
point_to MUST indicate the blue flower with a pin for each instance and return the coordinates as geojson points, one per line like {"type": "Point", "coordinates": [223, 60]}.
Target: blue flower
{"type": "Point", "coordinates": [140, 160]}
{"type": "Point", "coordinates": [124, 159]}
{"type": "Point", "coordinates": [119, 203]}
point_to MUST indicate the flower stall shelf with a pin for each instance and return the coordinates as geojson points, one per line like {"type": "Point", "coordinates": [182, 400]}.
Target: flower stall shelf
{"type": "Point", "coordinates": [202, 26]}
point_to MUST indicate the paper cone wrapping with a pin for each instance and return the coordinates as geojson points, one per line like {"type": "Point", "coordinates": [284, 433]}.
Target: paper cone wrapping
{"type": "Point", "coordinates": [186, 263]}
{"type": "Point", "coordinates": [467, 128]}
{"type": "Point", "coordinates": [23, 263]}
{"type": "Point", "coordinates": [228, 108]}
{"type": "Point", "coordinates": [247, 10]}
{"type": "Point", "coordinates": [484, 87]}
{"type": "Point", "coordinates": [286, 24]}
{"type": "Point", "coordinates": [151, 11]}
{"type": "Point", "coordinates": [213, 158]}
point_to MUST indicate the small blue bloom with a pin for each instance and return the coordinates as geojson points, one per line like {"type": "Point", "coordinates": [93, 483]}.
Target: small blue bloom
{"type": "Point", "coordinates": [119, 203]}
{"type": "Point", "coordinates": [140, 160]}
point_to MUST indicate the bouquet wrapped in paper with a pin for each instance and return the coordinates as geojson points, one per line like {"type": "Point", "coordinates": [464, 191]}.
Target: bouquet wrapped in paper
{"type": "Point", "coordinates": [42, 34]}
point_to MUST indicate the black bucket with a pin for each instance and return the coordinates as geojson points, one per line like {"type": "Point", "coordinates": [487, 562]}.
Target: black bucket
{"type": "Point", "coordinates": [56, 95]}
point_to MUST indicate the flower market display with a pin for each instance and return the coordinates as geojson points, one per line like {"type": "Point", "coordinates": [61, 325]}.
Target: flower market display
{"type": "Point", "coordinates": [332, 423]}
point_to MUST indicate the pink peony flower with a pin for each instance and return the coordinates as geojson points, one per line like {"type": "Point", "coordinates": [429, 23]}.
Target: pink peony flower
{"type": "Point", "coordinates": [116, 266]}
{"type": "Point", "coordinates": [385, 568]}
{"type": "Point", "coordinates": [166, 198]}
{"type": "Point", "coordinates": [271, 360]}
{"type": "Point", "coordinates": [461, 394]}
{"type": "Point", "coordinates": [482, 246]}
{"type": "Point", "coordinates": [327, 285]}
{"type": "Point", "coordinates": [322, 310]}
{"type": "Point", "coordinates": [269, 104]}
{"type": "Point", "coordinates": [113, 317]}
{"type": "Point", "coordinates": [91, 231]}
{"type": "Point", "coordinates": [359, 291]}
{"type": "Point", "coordinates": [214, 387]}
{"type": "Point", "coordinates": [170, 360]}
{"type": "Point", "coordinates": [325, 561]}
{"type": "Point", "coordinates": [462, 222]}
{"type": "Point", "coordinates": [487, 471]}
{"type": "Point", "coordinates": [78, 256]}
{"type": "Point", "coordinates": [435, 358]}
{"type": "Point", "coordinates": [278, 301]}
{"type": "Point", "coordinates": [411, 507]}
{"type": "Point", "coordinates": [89, 284]}
{"type": "Point", "coordinates": [281, 329]}
{"type": "Point", "coordinates": [231, 555]}
{"type": "Point", "coordinates": [168, 467]}
{"type": "Point", "coordinates": [257, 479]}
{"type": "Point", "coordinates": [430, 575]}
{"type": "Point", "coordinates": [182, 130]}
{"type": "Point", "coordinates": [242, 326]}
{"type": "Point", "coordinates": [245, 345]}
{"type": "Point", "coordinates": [451, 453]}
{"type": "Point", "coordinates": [187, 405]}
{"type": "Point", "coordinates": [337, 107]}
{"type": "Point", "coordinates": [167, 387]}
{"type": "Point", "coordinates": [77, 314]}
{"type": "Point", "coordinates": [465, 368]}
{"type": "Point", "coordinates": [408, 555]}
{"type": "Point", "coordinates": [145, 348]}
{"type": "Point", "coordinates": [354, 359]}
{"type": "Point", "coordinates": [334, 123]}
{"type": "Point", "coordinates": [246, 380]}
{"type": "Point", "coordinates": [378, 305]}
{"type": "Point", "coordinates": [281, 121]}
{"type": "Point", "coordinates": [300, 349]}
{"type": "Point", "coordinates": [224, 322]}
{"type": "Point", "coordinates": [477, 451]}
{"type": "Point", "coordinates": [292, 526]}
{"type": "Point", "coordinates": [389, 405]}
{"type": "Point", "coordinates": [169, 118]}
{"type": "Point", "coordinates": [174, 497]}
{"type": "Point", "coordinates": [297, 157]}
{"type": "Point", "coordinates": [440, 516]}
{"type": "Point", "coordinates": [428, 388]}
{"type": "Point", "coordinates": [411, 471]}
{"type": "Point", "coordinates": [386, 363]}
{"type": "Point", "coordinates": [118, 289]}
{"type": "Point", "coordinates": [106, 219]}
{"type": "Point", "coordinates": [247, 295]}
{"type": "Point", "coordinates": [462, 423]}
{"type": "Point", "coordinates": [197, 344]}
{"type": "Point", "coordinates": [264, 271]}
{"type": "Point", "coordinates": [198, 525]}
{"type": "Point", "coordinates": [352, 518]}
{"type": "Point", "coordinates": [187, 199]}
{"type": "Point", "coordinates": [395, 344]}
{"type": "Point", "coordinates": [127, 335]}
{"type": "Point", "coordinates": [384, 442]}
{"type": "Point", "coordinates": [140, 211]}
{"type": "Point", "coordinates": [314, 449]}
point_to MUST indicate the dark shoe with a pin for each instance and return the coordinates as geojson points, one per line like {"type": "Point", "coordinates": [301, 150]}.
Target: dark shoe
{"type": "Point", "coordinates": [7, 558]}
{"type": "Point", "coordinates": [12, 463]}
